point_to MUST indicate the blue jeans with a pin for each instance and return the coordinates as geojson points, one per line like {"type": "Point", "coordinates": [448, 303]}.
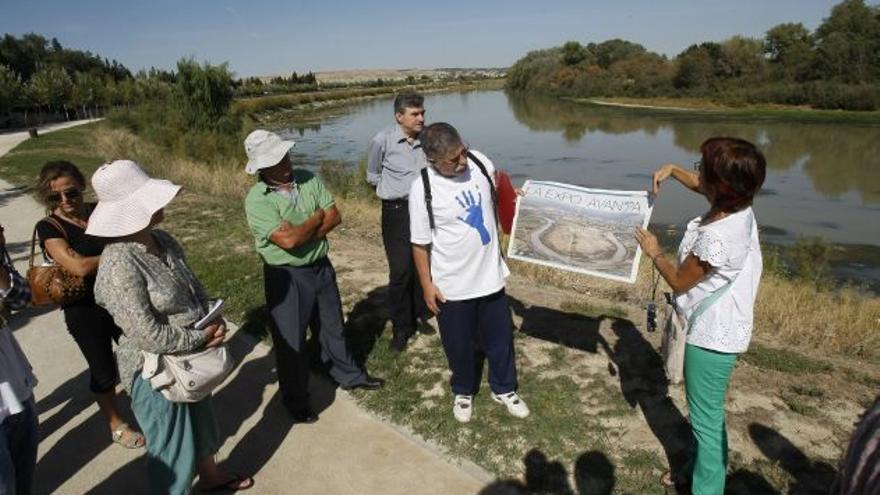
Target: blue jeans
{"type": "Point", "coordinates": [18, 451]}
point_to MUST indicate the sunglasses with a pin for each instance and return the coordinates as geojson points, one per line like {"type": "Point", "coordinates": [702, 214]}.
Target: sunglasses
{"type": "Point", "coordinates": [71, 193]}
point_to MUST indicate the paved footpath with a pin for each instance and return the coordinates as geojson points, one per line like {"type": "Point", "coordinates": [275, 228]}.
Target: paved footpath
{"type": "Point", "coordinates": [348, 451]}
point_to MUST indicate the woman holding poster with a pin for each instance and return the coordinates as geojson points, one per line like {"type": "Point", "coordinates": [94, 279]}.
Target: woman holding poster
{"type": "Point", "coordinates": [715, 280]}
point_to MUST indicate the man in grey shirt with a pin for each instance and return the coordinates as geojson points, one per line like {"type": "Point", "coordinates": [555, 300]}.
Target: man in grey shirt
{"type": "Point", "coordinates": [394, 161]}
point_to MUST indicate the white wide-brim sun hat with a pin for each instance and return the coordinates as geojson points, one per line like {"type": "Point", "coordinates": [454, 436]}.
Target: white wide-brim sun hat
{"type": "Point", "coordinates": [264, 149]}
{"type": "Point", "coordinates": [127, 199]}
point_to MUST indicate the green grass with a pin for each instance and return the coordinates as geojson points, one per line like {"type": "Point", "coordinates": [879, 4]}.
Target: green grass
{"type": "Point", "coordinates": [799, 405]}
{"type": "Point", "coordinates": [784, 360]}
{"type": "Point", "coordinates": [751, 112]}
{"type": "Point", "coordinates": [808, 390]}
{"type": "Point", "coordinates": [22, 165]}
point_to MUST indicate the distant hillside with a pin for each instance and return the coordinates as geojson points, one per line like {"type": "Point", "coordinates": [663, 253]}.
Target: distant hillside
{"type": "Point", "coordinates": [365, 75]}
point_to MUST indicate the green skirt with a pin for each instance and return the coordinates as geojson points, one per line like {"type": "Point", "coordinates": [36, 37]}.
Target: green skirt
{"type": "Point", "coordinates": [179, 435]}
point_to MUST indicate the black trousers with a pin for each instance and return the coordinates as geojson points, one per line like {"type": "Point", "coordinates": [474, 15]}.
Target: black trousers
{"type": "Point", "coordinates": [405, 301]}
{"type": "Point", "coordinates": [93, 330]}
{"type": "Point", "coordinates": [474, 329]}
{"type": "Point", "coordinates": [298, 297]}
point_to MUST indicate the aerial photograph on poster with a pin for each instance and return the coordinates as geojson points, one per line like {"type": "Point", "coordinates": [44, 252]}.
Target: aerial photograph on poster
{"type": "Point", "coordinates": [580, 229]}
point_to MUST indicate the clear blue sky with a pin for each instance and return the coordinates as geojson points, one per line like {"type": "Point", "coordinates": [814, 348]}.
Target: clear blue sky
{"type": "Point", "coordinates": [260, 37]}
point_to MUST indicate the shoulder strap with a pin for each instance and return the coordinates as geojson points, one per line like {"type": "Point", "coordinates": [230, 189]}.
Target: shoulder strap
{"type": "Point", "coordinates": [494, 195]}
{"type": "Point", "coordinates": [55, 224]}
{"type": "Point", "coordinates": [426, 183]}
{"type": "Point", "coordinates": [488, 179]}
{"type": "Point", "coordinates": [715, 296]}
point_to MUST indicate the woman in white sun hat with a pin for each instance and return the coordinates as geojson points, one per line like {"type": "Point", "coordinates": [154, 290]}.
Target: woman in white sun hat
{"type": "Point", "coordinates": [144, 282]}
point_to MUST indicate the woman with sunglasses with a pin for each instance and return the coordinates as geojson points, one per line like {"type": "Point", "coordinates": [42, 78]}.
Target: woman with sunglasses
{"type": "Point", "coordinates": [63, 238]}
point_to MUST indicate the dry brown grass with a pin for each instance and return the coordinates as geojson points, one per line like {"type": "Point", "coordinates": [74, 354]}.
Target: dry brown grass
{"type": "Point", "coordinates": [789, 312]}
{"type": "Point", "coordinates": [224, 178]}
{"type": "Point", "coordinates": [794, 312]}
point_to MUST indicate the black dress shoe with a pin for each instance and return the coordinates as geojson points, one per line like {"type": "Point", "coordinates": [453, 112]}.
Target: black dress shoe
{"type": "Point", "coordinates": [368, 383]}
{"type": "Point", "coordinates": [302, 415]}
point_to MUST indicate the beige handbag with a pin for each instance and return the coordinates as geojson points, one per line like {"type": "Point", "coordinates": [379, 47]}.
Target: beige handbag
{"type": "Point", "coordinates": [673, 340]}
{"type": "Point", "coordinates": [187, 377]}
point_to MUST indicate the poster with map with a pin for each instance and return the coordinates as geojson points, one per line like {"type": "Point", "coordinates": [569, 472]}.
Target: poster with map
{"type": "Point", "coordinates": [584, 230]}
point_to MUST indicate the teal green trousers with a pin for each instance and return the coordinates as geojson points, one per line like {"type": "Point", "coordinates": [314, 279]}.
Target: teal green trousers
{"type": "Point", "coordinates": [179, 435]}
{"type": "Point", "coordinates": [706, 375]}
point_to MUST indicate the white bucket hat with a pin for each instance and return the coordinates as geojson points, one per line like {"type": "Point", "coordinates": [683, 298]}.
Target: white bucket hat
{"type": "Point", "coordinates": [264, 149]}
{"type": "Point", "coordinates": [127, 199]}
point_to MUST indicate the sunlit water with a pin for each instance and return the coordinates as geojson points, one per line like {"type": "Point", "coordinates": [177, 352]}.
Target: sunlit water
{"type": "Point", "coordinates": [823, 179]}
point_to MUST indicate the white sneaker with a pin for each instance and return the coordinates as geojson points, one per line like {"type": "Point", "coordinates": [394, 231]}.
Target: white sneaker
{"type": "Point", "coordinates": [515, 405]}
{"type": "Point", "coordinates": [463, 407]}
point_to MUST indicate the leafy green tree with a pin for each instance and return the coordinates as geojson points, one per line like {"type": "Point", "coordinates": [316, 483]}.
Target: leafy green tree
{"type": "Point", "coordinates": [51, 87]}
{"type": "Point", "coordinates": [86, 93]}
{"type": "Point", "coordinates": [848, 42]}
{"type": "Point", "coordinates": [203, 91]}
{"type": "Point", "coordinates": [790, 50]}
{"type": "Point", "coordinates": [611, 51]}
{"type": "Point", "coordinates": [696, 66]}
{"type": "Point", "coordinates": [10, 89]}
{"type": "Point", "coordinates": [573, 53]}
{"type": "Point", "coordinates": [741, 58]}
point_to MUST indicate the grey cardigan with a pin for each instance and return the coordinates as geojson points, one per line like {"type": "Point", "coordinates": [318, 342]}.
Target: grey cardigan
{"type": "Point", "coordinates": [155, 301]}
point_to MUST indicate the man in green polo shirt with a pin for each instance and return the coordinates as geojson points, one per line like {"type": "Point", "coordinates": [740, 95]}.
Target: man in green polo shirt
{"type": "Point", "coordinates": [290, 213]}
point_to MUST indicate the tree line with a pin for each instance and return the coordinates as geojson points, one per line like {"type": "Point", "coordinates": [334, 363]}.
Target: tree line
{"type": "Point", "coordinates": [837, 66]}
{"type": "Point", "coordinates": [40, 76]}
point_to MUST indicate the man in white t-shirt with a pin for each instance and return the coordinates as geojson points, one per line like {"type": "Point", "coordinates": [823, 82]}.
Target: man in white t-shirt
{"type": "Point", "coordinates": [457, 253]}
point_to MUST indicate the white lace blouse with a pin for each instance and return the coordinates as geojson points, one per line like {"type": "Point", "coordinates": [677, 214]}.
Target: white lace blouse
{"type": "Point", "coordinates": [731, 246]}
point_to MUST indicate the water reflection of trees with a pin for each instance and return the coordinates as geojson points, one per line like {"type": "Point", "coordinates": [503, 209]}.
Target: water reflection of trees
{"type": "Point", "coordinates": [575, 120]}
{"type": "Point", "coordinates": [837, 158]}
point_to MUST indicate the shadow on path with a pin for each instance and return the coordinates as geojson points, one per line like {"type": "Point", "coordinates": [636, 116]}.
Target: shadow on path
{"type": "Point", "coordinates": [71, 453]}
{"type": "Point", "coordinates": [365, 323]}
{"type": "Point", "coordinates": [11, 194]}
{"type": "Point", "coordinates": [242, 397]}
{"type": "Point", "coordinates": [809, 477]}
{"type": "Point", "coordinates": [593, 475]}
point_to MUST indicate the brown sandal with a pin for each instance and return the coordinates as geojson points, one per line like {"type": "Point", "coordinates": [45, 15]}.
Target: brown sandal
{"type": "Point", "coordinates": [127, 437]}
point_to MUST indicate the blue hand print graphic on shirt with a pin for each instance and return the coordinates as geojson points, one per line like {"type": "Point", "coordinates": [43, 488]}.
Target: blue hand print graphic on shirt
{"type": "Point", "coordinates": [474, 210]}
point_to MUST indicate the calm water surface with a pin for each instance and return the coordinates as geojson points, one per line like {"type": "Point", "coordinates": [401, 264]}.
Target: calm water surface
{"type": "Point", "coordinates": [823, 179]}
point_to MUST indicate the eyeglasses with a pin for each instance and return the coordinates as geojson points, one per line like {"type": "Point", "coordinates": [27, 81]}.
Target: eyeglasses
{"type": "Point", "coordinates": [698, 165]}
{"type": "Point", "coordinates": [71, 193]}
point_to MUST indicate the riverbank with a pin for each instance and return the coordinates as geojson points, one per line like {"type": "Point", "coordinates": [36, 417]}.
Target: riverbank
{"type": "Point", "coordinates": [708, 106]}
{"type": "Point", "coordinates": [591, 374]}
{"type": "Point", "coordinates": [259, 108]}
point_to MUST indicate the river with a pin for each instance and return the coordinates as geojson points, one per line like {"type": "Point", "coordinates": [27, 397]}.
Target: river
{"type": "Point", "coordinates": [823, 179]}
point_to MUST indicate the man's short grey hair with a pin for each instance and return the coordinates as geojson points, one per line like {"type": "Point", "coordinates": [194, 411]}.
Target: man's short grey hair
{"type": "Point", "coordinates": [439, 140]}
{"type": "Point", "coordinates": [408, 100]}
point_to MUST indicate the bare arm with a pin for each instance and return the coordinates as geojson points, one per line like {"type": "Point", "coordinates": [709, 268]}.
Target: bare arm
{"type": "Point", "coordinates": [680, 278]}
{"type": "Point", "coordinates": [288, 236]}
{"type": "Point", "coordinates": [688, 178]}
{"type": "Point", "coordinates": [332, 218]}
{"type": "Point", "coordinates": [422, 260]}
{"type": "Point", "coordinates": [70, 260]}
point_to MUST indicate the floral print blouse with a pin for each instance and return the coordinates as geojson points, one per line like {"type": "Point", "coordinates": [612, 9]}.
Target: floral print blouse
{"type": "Point", "coordinates": [154, 300]}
